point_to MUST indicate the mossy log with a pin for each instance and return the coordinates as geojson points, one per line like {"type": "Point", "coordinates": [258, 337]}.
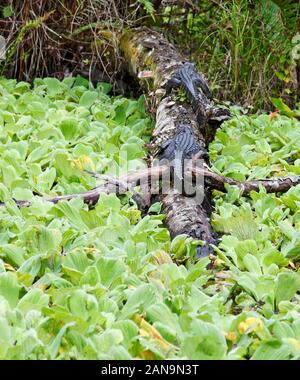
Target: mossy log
{"type": "Point", "coordinates": [153, 61]}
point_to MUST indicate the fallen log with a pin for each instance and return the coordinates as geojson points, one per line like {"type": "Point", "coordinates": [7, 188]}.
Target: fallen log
{"type": "Point", "coordinates": [159, 67]}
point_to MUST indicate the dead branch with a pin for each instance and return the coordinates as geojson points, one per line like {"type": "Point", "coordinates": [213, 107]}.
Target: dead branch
{"type": "Point", "coordinates": [218, 182]}
{"type": "Point", "coordinates": [112, 185]}
{"type": "Point", "coordinates": [155, 174]}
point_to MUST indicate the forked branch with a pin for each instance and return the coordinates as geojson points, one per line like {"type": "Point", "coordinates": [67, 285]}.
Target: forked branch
{"type": "Point", "coordinates": [152, 176]}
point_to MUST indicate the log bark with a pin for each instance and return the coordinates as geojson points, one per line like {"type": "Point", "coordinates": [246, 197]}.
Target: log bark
{"type": "Point", "coordinates": [154, 61]}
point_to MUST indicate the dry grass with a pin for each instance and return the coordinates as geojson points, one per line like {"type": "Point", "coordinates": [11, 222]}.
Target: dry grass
{"type": "Point", "coordinates": [59, 38]}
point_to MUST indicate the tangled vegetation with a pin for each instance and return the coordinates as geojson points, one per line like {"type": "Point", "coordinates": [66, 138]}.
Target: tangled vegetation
{"type": "Point", "coordinates": [101, 283]}
{"type": "Point", "coordinates": [244, 47]}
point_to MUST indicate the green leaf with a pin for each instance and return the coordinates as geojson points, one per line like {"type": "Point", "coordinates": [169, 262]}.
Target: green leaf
{"type": "Point", "coordinates": [139, 300]}
{"type": "Point", "coordinates": [110, 270]}
{"type": "Point", "coordinates": [53, 86]}
{"type": "Point", "coordinates": [178, 245]}
{"type": "Point", "coordinates": [282, 330]}
{"type": "Point", "coordinates": [13, 254]}
{"type": "Point", "coordinates": [80, 81]}
{"type": "Point", "coordinates": [282, 107]}
{"type": "Point", "coordinates": [155, 208]}
{"type": "Point", "coordinates": [49, 240]}
{"type": "Point", "coordinates": [31, 266]}
{"type": "Point", "coordinates": [286, 285]}
{"type": "Point", "coordinates": [72, 211]}
{"type": "Point", "coordinates": [82, 304]}
{"type": "Point", "coordinates": [22, 194]}
{"type": "Point", "coordinates": [166, 321]}
{"type": "Point", "coordinates": [294, 252]}
{"type": "Point", "coordinates": [148, 6]}
{"type": "Point", "coordinates": [206, 342]}
{"type": "Point", "coordinates": [69, 128]}
{"type": "Point", "coordinates": [88, 98]}
{"type": "Point", "coordinates": [76, 260]}
{"type": "Point", "coordinates": [54, 346]}
{"type": "Point", "coordinates": [104, 87]}
{"type": "Point", "coordinates": [9, 288]}
{"type": "Point", "coordinates": [7, 11]}
{"type": "Point", "coordinates": [35, 299]}
{"type": "Point", "coordinates": [271, 351]}
{"type": "Point", "coordinates": [109, 339]}
{"type": "Point", "coordinates": [5, 337]}
{"type": "Point", "coordinates": [129, 331]}
{"type": "Point", "coordinates": [252, 264]}
{"type": "Point", "coordinates": [46, 180]}
{"type": "Point", "coordinates": [9, 175]}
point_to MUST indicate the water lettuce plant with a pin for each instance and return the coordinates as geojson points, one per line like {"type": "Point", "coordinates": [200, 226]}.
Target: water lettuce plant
{"type": "Point", "coordinates": [105, 282]}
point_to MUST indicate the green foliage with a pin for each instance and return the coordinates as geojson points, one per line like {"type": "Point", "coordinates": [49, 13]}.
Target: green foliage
{"type": "Point", "coordinates": [55, 130]}
{"type": "Point", "coordinates": [148, 6]}
{"type": "Point", "coordinates": [244, 47]}
{"type": "Point", "coordinates": [7, 11]}
{"type": "Point", "coordinates": [284, 108]}
{"type": "Point", "coordinates": [261, 233]}
{"type": "Point", "coordinates": [257, 147]}
{"type": "Point", "coordinates": [99, 283]}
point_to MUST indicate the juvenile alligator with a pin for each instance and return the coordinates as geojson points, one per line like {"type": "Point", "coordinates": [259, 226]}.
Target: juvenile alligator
{"type": "Point", "coordinates": [190, 80]}
{"type": "Point", "coordinates": [188, 77]}
{"type": "Point", "coordinates": [195, 86]}
{"type": "Point", "coordinates": [183, 146]}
